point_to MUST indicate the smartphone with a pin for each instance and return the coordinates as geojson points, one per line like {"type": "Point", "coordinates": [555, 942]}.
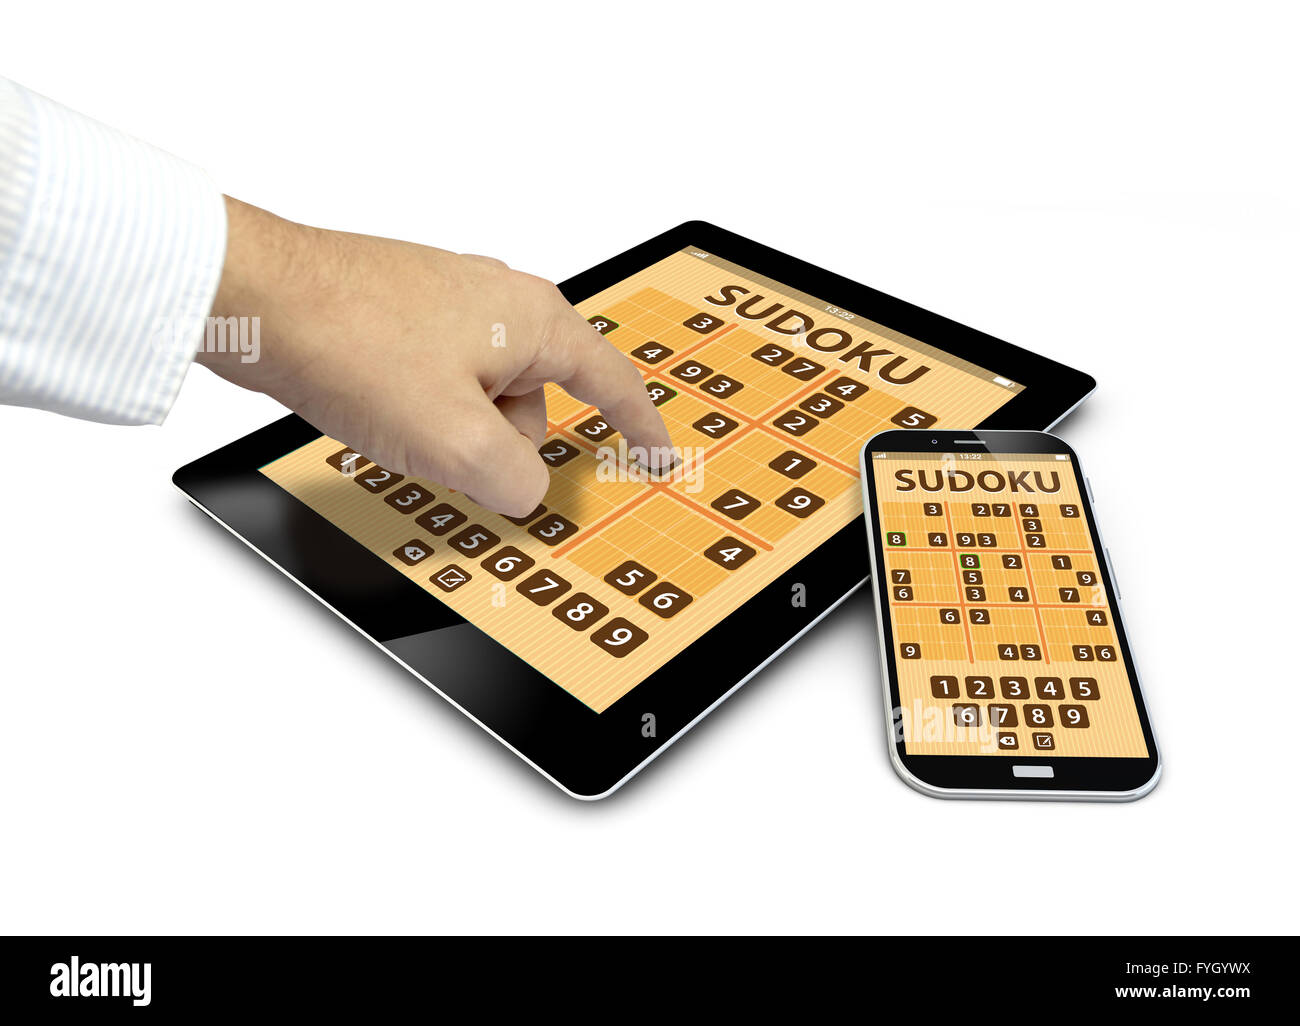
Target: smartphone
{"type": "Point", "coordinates": [1006, 666]}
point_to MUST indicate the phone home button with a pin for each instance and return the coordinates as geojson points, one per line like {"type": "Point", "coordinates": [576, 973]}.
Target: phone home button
{"type": "Point", "coordinates": [1033, 771]}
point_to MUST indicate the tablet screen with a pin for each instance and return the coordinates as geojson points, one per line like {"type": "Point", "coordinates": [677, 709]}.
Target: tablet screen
{"type": "Point", "coordinates": [769, 392]}
{"type": "Point", "coordinates": [1004, 637]}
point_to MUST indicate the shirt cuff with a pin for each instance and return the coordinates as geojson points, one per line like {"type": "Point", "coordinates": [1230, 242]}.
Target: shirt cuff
{"type": "Point", "coordinates": [110, 256]}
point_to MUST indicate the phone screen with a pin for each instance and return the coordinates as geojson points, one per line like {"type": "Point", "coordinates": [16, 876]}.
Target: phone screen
{"type": "Point", "coordinates": [995, 607]}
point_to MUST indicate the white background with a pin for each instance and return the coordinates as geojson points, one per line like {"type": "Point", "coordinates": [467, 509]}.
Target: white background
{"type": "Point", "coordinates": [189, 743]}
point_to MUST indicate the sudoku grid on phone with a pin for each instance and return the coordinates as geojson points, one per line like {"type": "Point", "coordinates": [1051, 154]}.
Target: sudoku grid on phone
{"type": "Point", "coordinates": [1002, 628]}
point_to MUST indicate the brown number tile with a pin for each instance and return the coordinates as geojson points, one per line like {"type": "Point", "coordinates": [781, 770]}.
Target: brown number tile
{"type": "Point", "coordinates": [596, 428]}
{"type": "Point", "coordinates": [1003, 716]}
{"type": "Point", "coordinates": [557, 452]}
{"type": "Point", "coordinates": [579, 611]}
{"type": "Point", "coordinates": [730, 553]}
{"type": "Point", "coordinates": [441, 518]}
{"type": "Point", "coordinates": [659, 393]}
{"type": "Point", "coordinates": [1084, 689]}
{"type": "Point", "coordinates": [703, 323]}
{"type": "Point", "coordinates": [553, 529]}
{"type": "Point", "coordinates": [800, 503]}
{"type": "Point", "coordinates": [474, 540]}
{"type": "Point", "coordinates": [691, 371]}
{"type": "Point", "coordinates": [715, 425]}
{"type": "Point", "coordinates": [795, 422]}
{"type": "Point", "coordinates": [846, 389]}
{"type": "Point", "coordinates": [721, 386]}
{"type": "Point", "coordinates": [508, 563]}
{"type": "Point", "coordinates": [618, 637]}
{"type": "Point", "coordinates": [772, 355]}
{"type": "Point", "coordinates": [347, 461]}
{"type": "Point", "coordinates": [821, 405]}
{"type": "Point", "coordinates": [1049, 689]}
{"type": "Point", "coordinates": [665, 599]}
{"type": "Point", "coordinates": [630, 577]}
{"type": "Point", "coordinates": [944, 687]}
{"type": "Point", "coordinates": [410, 498]}
{"type": "Point", "coordinates": [966, 715]}
{"type": "Point", "coordinates": [911, 417]}
{"type": "Point", "coordinates": [543, 587]}
{"type": "Point", "coordinates": [735, 504]}
{"type": "Point", "coordinates": [377, 479]}
{"type": "Point", "coordinates": [652, 352]}
{"type": "Point", "coordinates": [803, 369]}
{"type": "Point", "coordinates": [792, 464]}
{"type": "Point", "coordinates": [1074, 716]}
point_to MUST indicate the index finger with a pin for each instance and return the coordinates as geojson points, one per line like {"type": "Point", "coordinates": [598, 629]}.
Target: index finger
{"type": "Point", "coordinates": [602, 376]}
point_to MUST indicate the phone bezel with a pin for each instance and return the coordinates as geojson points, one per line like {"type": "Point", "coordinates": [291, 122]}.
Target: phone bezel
{"type": "Point", "coordinates": [990, 775]}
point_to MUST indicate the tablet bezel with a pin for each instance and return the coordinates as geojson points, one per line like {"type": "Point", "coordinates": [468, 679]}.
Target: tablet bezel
{"type": "Point", "coordinates": [589, 754]}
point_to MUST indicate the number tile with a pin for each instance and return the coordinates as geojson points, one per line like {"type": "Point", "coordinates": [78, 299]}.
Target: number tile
{"type": "Point", "coordinates": [771, 355]}
{"type": "Point", "coordinates": [800, 503]}
{"type": "Point", "coordinates": [441, 518]}
{"type": "Point", "coordinates": [630, 577]}
{"type": "Point", "coordinates": [618, 637]}
{"type": "Point", "coordinates": [553, 529]}
{"type": "Point", "coordinates": [652, 352]}
{"type": "Point", "coordinates": [376, 479]}
{"type": "Point", "coordinates": [580, 611]}
{"type": "Point", "coordinates": [543, 587]}
{"type": "Point", "coordinates": [408, 499]}
{"type": "Point", "coordinates": [735, 504]}
{"type": "Point", "coordinates": [665, 599]}
{"type": "Point", "coordinates": [730, 553]}
{"type": "Point", "coordinates": [474, 540]}
{"type": "Point", "coordinates": [792, 464]}
{"type": "Point", "coordinates": [507, 563]}
{"type": "Point", "coordinates": [347, 462]}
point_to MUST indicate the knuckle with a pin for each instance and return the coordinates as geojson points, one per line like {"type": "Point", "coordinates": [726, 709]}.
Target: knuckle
{"type": "Point", "coordinates": [543, 294]}
{"type": "Point", "coordinates": [477, 452]}
{"type": "Point", "coordinates": [463, 451]}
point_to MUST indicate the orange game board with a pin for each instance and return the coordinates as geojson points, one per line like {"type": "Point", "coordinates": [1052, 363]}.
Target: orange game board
{"type": "Point", "coordinates": [1004, 634]}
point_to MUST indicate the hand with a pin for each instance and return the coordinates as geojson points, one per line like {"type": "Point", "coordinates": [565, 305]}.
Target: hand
{"type": "Point", "coordinates": [389, 347]}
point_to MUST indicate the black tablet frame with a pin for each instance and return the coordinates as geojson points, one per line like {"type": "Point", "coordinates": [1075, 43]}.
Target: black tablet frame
{"type": "Point", "coordinates": [590, 754]}
{"type": "Point", "coordinates": [991, 775]}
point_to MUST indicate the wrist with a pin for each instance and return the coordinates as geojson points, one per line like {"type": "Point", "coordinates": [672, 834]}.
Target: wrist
{"type": "Point", "coordinates": [250, 340]}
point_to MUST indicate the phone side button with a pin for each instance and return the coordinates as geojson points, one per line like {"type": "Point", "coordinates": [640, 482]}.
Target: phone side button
{"type": "Point", "coordinates": [1032, 771]}
{"type": "Point", "coordinates": [1110, 563]}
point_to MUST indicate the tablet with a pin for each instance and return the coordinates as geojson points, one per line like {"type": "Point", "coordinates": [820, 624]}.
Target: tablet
{"type": "Point", "coordinates": [594, 632]}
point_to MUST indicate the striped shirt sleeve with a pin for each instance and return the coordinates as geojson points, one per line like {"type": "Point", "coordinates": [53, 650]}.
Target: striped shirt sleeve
{"type": "Point", "coordinates": [110, 256]}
